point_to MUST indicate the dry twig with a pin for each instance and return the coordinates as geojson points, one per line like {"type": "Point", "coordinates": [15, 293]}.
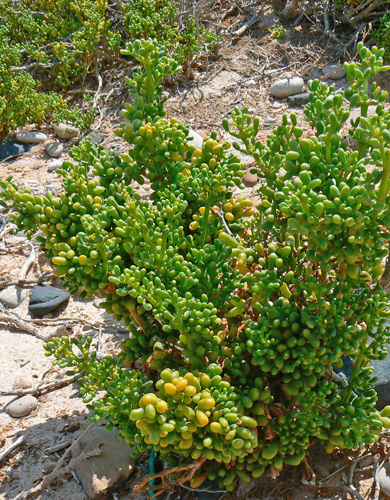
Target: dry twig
{"type": "Point", "coordinates": [42, 389]}
{"type": "Point", "coordinates": [11, 448]}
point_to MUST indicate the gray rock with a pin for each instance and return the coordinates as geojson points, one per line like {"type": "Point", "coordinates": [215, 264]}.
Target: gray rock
{"type": "Point", "coordinates": [9, 149]}
{"type": "Point", "coordinates": [103, 473]}
{"type": "Point", "coordinates": [334, 71]}
{"type": "Point", "coordinates": [65, 131]}
{"type": "Point", "coordinates": [54, 165]}
{"type": "Point", "coordinates": [45, 298]}
{"type": "Point", "coordinates": [97, 302]}
{"type": "Point", "coordinates": [298, 100]}
{"type": "Point", "coordinates": [22, 406]}
{"type": "Point", "coordinates": [384, 479]}
{"type": "Point", "coordinates": [31, 137]}
{"type": "Point", "coordinates": [54, 149]}
{"type": "Point", "coordinates": [197, 139]}
{"type": "Point", "coordinates": [250, 180]}
{"type": "Point", "coordinates": [96, 137]}
{"type": "Point", "coordinates": [287, 86]}
{"type": "Point", "coordinates": [12, 296]}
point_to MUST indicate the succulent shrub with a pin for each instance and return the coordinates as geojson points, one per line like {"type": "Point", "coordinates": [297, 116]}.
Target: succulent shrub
{"type": "Point", "coordinates": [382, 34]}
{"type": "Point", "coordinates": [240, 314]}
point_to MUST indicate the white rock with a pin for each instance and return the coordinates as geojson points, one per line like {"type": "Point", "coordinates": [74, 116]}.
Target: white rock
{"type": "Point", "coordinates": [31, 137]}
{"type": "Point", "coordinates": [65, 131]}
{"type": "Point", "coordinates": [334, 71]}
{"type": "Point", "coordinates": [22, 406]}
{"type": "Point", "coordinates": [250, 83]}
{"type": "Point", "coordinates": [287, 86]}
{"type": "Point", "coordinates": [197, 139]}
{"type": "Point", "coordinates": [53, 165]}
{"type": "Point", "coordinates": [54, 149]}
{"type": "Point", "coordinates": [12, 296]}
{"type": "Point", "coordinates": [384, 479]}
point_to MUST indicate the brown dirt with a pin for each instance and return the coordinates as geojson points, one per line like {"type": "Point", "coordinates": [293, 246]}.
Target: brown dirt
{"type": "Point", "coordinates": [218, 86]}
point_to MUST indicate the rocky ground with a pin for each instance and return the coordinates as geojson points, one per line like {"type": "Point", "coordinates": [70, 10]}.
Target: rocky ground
{"type": "Point", "coordinates": [241, 75]}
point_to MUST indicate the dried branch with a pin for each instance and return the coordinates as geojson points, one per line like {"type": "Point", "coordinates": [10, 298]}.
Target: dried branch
{"type": "Point", "coordinates": [42, 389]}
{"type": "Point", "coordinates": [26, 266]}
{"type": "Point", "coordinates": [11, 448]}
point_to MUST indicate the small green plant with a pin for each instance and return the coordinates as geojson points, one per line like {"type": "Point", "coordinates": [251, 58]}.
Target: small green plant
{"type": "Point", "coordinates": [277, 32]}
{"type": "Point", "coordinates": [239, 313]}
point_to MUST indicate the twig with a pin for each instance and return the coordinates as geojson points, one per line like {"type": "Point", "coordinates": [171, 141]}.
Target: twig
{"type": "Point", "coordinates": [11, 448]}
{"type": "Point", "coordinates": [26, 266]}
{"type": "Point", "coordinates": [47, 276]}
{"type": "Point", "coordinates": [249, 23]}
{"type": "Point", "coordinates": [192, 468]}
{"type": "Point", "coordinates": [41, 389]}
{"type": "Point", "coordinates": [58, 447]}
{"type": "Point", "coordinates": [354, 492]}
{"type": "Point", "coordinates": [13, 320]}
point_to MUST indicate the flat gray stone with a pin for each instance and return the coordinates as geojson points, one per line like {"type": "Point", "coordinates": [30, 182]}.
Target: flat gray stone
{"type": "Point", "coordinates": [31, 137]}
{"type": "Point", "coordinates": [22, 406]}
{"type": "Point", "coordinates": [54, 149]}
{"type": "Point", "coordinates": [12, 296]}
{"type": "Point", "coordinates": [269, 121]}
{"type": "Point", "coordinates": [298, 100]}
{"type": "Point", "coordinates": [10, 149]}
{"type": "Point", "coordinates": [287, 86]}
{"type": "Point", "coordinates": [54, 165]}
{"type": "Point", "coordinates": [196, 139]}
{"type": "Point", "coordinates": [334, 71]}
{"type": "Point", "coordinates": [102, 474]}
{"type": "Point", "coordinates": [249, 179]}
{"type": "Point", "coordinates": [45, 299]}
{"type": "Point", "coordinates": [65, 131]}
{"type": "Point", "coordinates": [384, 479]}
{"type": "Point", "coordinates": [96, 137]}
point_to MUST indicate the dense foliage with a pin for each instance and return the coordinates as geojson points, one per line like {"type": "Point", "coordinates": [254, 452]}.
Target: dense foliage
{"type": "Point", "coordinates": [63, 41]}
{"type": "Point", "coordinates": [239, 314]}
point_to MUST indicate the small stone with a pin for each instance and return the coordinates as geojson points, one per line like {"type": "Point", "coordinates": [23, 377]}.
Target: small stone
{"type": "Point", "coordinates": [250, 180]}
{"type": "Point", "coordinates": [54, 165]}
{"type": "Point", "coordinates": [97, 302]}
{"type": "Point", "coordinates": [197, 139]}
{"type": "Point", "coordinates": [103, 473]}
{"type": "Point", "coordinates": [269, 121]}
{"type": "Point", "coordinates": [54, 149]}
{"type": "Point", "coordinates": [12, 296]}
{"type": "Point", "coordinates": [250, 83]}
{"type": "Point", "coordinates": [22, 383]}
{"type": "Point", "coordinates": [65, 131]}
{"type": "Point", "coordinates": [298, 100]}
{"type": "Point", "coordinates": [384, 479]}
{"type": "Point", "coordinates": [287, 86]}
{"type": "Point", "coordinates": [96, 137]}
{"type": "Point", "coordinates": [9, 149]}
{"type": "Point", "coordinates": [22, 406]}
{"type": "Point", "coordinates": [31, 137]}
{"type": "Point", "coordinates": [334, 71]}
{"type": "Point", "coordinates": [45, 298]}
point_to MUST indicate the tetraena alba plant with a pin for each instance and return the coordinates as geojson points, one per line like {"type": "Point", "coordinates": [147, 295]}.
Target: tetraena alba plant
{"type": "Point", "coordinates": [240, 314]}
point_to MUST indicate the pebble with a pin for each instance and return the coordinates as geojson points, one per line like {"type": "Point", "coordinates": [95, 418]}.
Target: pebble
{"type": "Point", "coordinates": [269, 121]}
{"type": "Point", "coordinates": [250, 180]}
{"type": "Point", "coordinates": [96, 137]}
{"type": "Point", "coordinates": [31, 137]}
{"type": "Point", "coordinates": [250, 83]}
{"type": "Point", "coordinates": [22, 406]}
{"type": "Point", "coordinates": [54, 165]}
{"type": "Point", "coordinates": [334, 71]}
{"type": "Point", "coordinates": [65, 131]}
{"type": "Point", "coordinates": [9, 149]}
{"type": "Point", "coordinates": [287, 86]}
{"type": "Point", "coordinates": [101, 475]}
{"type": "Point", "coordinates": [44, 299]}
{"type": "Point", "coordinates": [12, 296]}
{"type": "Point", "coordinates": [54, 149]}
{"type": "Point", "coordinates": [298, 100]}
{"type": "Point", "coordinates": [197, 139]}
{"type": "Point", "coordinates": [384, 479]}
{"type": "Point", "coordinates": [97, 302]}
